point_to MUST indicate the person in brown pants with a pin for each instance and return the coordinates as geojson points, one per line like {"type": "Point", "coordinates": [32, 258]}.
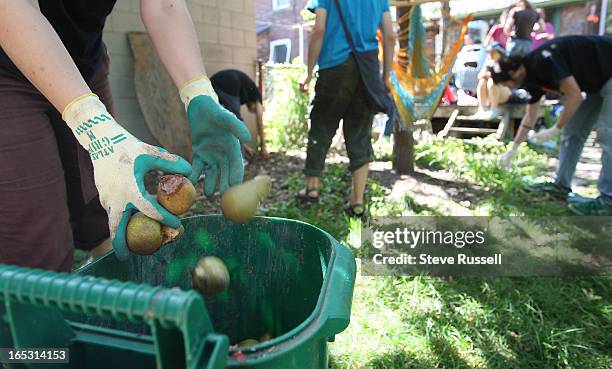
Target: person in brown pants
{"type": "Point", "coordinates": [70, 175]}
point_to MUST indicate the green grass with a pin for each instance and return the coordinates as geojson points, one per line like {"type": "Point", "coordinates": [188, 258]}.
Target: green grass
{"type": "Point", "coordinates": [427, 322]}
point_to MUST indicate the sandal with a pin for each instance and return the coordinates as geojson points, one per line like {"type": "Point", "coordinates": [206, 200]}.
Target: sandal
{"type": "Point", "coordinates": [308, 195]}
{"type": "Point", "coordinates": [355, 210]}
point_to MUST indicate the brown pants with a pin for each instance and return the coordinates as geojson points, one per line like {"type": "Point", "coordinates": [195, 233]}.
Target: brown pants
{"type": "Point", "coordinates": [48, 199]}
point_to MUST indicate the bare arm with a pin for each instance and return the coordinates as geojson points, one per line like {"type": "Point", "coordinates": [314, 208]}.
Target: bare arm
{"type": "Point", "coordinates": [527, 124]}
{"type": "Point", "coordinates": [314, 48]}
{"type": "Point", "coordinates": [388, 48]}
{"type": "Point", "coordinates": [260, 127]}
{"type": "Point", "coordinates": [35, 48]}
{"type": "Point", "coordinates": [316, 38]}
{"type": "Point", "coordinates": [509, 23]}
{"type": "Point", "coordinates": [170, 26]}
{"type": "Point", "coordinates": [574, 99]}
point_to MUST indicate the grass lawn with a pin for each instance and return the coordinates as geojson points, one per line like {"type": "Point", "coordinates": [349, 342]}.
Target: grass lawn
{"type": "Point", "coordinates": [424, 322]}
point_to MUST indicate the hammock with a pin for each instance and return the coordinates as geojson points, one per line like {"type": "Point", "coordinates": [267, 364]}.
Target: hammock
{"type": "Point", "coordinates": [417, 87]}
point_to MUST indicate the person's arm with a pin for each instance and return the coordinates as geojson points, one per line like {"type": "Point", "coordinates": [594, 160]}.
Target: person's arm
{"type": "Point", "coordinates": [573, 99]}
{"type": "Point", "coordinates": [35, 48]}
{"type": "Point", "coordinates": [215, 132]}
{"type": "Point", "coordinates": [527, 123]}
{"type": "Point", "coordinates": [508, 27]}
{"type": "Point", "coordinates": [489, 38]}
{"type": "Point", "coordinates": [169, 24]}
{"type": "Point", "coordinates": [259, 110]}
{"type": "Point", "coordinates": [120, 161]}
{"type": "Point", "coordinates": [314, 48]}
{"type": "Point", "coordinates": [388, 48]}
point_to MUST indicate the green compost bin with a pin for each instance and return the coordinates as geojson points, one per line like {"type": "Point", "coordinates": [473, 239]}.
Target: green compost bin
{"type": "Point", "coordinates": [289, 280]}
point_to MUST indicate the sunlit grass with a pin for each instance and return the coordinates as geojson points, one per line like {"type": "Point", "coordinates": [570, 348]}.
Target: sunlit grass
{"type": "Point", "coordinates": [427, 322]}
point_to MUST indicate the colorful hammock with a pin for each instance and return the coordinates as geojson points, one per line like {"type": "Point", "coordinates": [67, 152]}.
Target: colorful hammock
{"type": "Point", "coordinates": [417, 87]}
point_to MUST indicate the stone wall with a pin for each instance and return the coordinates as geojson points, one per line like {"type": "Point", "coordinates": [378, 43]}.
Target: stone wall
{"type": "Point", "coordinates": [226, 30]}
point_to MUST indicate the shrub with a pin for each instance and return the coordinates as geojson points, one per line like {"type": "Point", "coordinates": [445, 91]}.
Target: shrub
{"type": "Point", "coordinates": [287, 108]}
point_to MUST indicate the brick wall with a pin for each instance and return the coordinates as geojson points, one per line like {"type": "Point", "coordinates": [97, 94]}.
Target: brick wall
{"type": "Point", "coordinates": [226, 30]}
{"type": "Point", "coordinates": [573, 19]}
{"type": "Point", "coordinates": [283, 24]}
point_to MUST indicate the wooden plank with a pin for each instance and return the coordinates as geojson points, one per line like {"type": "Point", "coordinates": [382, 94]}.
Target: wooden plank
{"type": "Point", "coordinates": [163, 111]}
{"type": "Point", "coordinates": [473, 130]}
{"type": "Point", "coordinates": [504, 126]}
{"type": "Point", "coordinates": [471, 118]}
{"type": "Point", "coordinates": [451, 121]}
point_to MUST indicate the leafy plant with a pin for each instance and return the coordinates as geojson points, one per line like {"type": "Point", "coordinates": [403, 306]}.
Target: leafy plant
{"type": "Point", "coordinates": [287, 108]}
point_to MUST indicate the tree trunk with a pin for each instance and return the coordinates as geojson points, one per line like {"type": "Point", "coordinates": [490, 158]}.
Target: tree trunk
{"type": "Point", "coordinates": [403, 146]}
{"type": "Point", "coordinates": [403, 151]}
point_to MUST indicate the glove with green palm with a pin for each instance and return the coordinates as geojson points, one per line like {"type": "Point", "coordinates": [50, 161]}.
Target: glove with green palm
{"type": "Point", "coordinates": [216, 134]}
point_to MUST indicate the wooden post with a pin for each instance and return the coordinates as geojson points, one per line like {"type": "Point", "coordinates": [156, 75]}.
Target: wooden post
{"type": "Point", "coordinates": [403, 145]}
{"type": "Point", "coordinates": [403, 151]}
{"type": "Point", "coordinates": [260, 77]}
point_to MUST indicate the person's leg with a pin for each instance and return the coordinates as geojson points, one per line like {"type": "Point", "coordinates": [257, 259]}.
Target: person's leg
{"type": "Point", "coordinates": [604, 137]}
{"type": "Point", "coordinates": [34, 219]}
{"type": "Point", "coordinates": [498, 95]}
{"type": "Point", "coordinates": [601, 206]}
{"type": "Point", "coordinates": [333, 94]}
{"type": "Point", "coordinates": [482, 93]}
{"type": "Point", "coordinates": [357, 127]}
{"type": "Point", "coordinates": [88, 218]}
{"type": "Point", "coordinates": [573, 137]}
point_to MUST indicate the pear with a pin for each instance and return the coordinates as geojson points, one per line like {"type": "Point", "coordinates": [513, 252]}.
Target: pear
{"type": "Point", "coordinates": [239, 203]}
{"type": "Point", "coordinates": [248, 342]}
{"type": "Point", "coordinates": [175, 193]}
{"type": "Point", "coordinates": [210, 276]}
{"type": "Point", "coordinates": [145, 235]}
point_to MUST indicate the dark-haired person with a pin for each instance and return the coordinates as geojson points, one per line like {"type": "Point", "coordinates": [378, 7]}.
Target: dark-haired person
{"type": "Point", "coordinates": [70, 175]}
{"type": "Point", "coordinates": [570, 65]}
{"type": "Point", "coordinates": [235, 89]}
{"type": "Point", "coordinates": [519, 25]}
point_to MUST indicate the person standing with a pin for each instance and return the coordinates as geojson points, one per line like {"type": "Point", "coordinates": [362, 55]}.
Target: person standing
{"type": "Point", "coordinates": [571, 65]}
{"type": "Point", "coordinates": [519, 25]}
{"type": "Point", "coordinates": [540, 35]}
{"type": "Point", "coordinates": [235, 89]}
{"type": "Point", "coordinates": [70, 174]}
{"type": "Point", "coordinates": [497, 35]}
{"type": "Point", "coordinates": [340, 91]}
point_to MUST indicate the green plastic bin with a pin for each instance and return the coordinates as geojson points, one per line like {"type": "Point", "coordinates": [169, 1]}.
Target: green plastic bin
{"type": "Point", "coordinates": [289, 279]}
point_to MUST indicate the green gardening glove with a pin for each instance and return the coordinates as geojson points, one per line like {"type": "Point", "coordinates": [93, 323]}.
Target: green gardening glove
{"type": "Point", "coordinates": [216, 134]}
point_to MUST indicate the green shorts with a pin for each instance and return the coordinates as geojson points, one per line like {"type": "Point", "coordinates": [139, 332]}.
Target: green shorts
{"type": "Point", "coordinates": [340, 95]}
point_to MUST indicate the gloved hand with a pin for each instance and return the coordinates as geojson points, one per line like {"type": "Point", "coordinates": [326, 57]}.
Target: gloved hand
{"type": "Point", "coordinates": [120, 163]}
{"type": "Point", "coordinates": [505, 160]}
{"type": "Point", "coordinates": [543, 135]}
{"type": "Point", "coordinates": [215, 137]}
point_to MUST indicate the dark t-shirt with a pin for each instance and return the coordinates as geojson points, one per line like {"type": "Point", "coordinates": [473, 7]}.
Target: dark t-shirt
{"type": "Point", "coordinates": [587, 58]}
{"type": "Point", "coordinates": [235, 88]}
{"type": "Point", "coordinates": [79, 25]}
{"type": "Point", "coordinates": [524, 21]}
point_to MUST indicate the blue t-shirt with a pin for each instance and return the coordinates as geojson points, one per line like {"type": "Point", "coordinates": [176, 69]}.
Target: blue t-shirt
{"type": "Point", "coordinates": [363, 18]}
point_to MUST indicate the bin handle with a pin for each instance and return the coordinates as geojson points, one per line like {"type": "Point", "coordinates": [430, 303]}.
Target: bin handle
{"type": "Point", "coordinates": [336, 307]}
{"type": "Point", "coordinates": [213, 354]}
{"type": "Point", "coordinates": [165, 310]}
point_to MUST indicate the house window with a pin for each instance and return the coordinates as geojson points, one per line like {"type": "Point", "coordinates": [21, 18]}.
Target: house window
{"type": "Point", "coordinates": [280, 50]}
{"type": "Point", "coordinates": [281, 4]}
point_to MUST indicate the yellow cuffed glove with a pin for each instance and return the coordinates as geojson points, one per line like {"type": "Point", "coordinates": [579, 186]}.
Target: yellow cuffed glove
{"type": "Point", "coordinates": [120, 162]}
